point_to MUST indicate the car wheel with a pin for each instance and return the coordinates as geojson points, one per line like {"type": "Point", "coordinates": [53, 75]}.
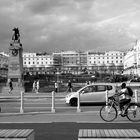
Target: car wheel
{"type": "Point", "coordinates": [73, 102]}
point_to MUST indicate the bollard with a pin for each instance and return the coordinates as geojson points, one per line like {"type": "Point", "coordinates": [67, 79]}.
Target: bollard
{"type": "Point", "coordinates": [106, 97]}
{"type": "Point", "coordinates": [53, 102]}
{"type": "Point", "coordinates": [136, 96]}
{"type": "Point", "coordinates": [22, 102]}
{"type": "Point", "coordinates": [106, 100]}
{"type": "Point", "coordinates": [78, 103]}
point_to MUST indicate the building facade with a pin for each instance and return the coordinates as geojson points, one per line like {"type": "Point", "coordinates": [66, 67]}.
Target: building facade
{"type": "Point", "coordinates": [3, 64]}
{"type": "Point", "coordinates": [111, 61]}
{"type": "Point", "coordinates": [72, 62]}
{"type": "Point", "coordinates": [132, 60]}
{"type": "Point", "coordinates": [37, 63]}
{"type": "Point", "coordinates": [78, 62]}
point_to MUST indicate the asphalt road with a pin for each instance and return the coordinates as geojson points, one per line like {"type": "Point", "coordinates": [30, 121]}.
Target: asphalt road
{"type": "Point", "coordinates": [65, 130]}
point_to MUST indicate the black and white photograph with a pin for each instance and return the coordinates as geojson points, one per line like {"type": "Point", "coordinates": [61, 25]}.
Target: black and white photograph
{"type": "Point", "coordinates": [69, 69]}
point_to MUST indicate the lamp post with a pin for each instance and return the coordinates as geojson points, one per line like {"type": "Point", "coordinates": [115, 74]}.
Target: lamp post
{"type": "Point", "coordinates": [57, 77]}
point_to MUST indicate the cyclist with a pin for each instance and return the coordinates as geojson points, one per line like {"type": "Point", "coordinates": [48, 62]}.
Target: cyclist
{"type": "Point", "coordinates": [125, 97]}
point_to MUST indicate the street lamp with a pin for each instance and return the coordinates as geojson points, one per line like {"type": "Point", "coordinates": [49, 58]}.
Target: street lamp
{"type": "Point", "coordinates": [57, 77]}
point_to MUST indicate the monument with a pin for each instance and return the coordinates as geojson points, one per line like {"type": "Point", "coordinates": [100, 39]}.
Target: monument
{"type": "Point", "coordinates": [15, 63]}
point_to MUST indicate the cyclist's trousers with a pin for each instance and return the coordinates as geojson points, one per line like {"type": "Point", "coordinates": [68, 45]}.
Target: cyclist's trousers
{"type": "Point", "coordinates": [124, 102]}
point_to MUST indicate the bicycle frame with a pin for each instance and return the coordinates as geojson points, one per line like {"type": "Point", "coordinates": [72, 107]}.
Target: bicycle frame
{"type": "Point", "coordinates": [116, 104]}
{"type": "Point", "coordinates": [109, 112]}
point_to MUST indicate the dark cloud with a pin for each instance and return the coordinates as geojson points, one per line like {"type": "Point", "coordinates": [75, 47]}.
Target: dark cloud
{"type": "Point", "coordinates": [70, 24]}
{"type": "Point", "coordinates": [43, 6]}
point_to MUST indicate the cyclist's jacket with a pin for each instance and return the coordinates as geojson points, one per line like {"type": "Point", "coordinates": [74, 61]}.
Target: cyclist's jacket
{"type": "Point", "coordinates": [125, 94]}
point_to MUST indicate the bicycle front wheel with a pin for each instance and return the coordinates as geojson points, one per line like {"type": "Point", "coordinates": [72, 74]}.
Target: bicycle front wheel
{"type": "Point", "coordinates": [108, 113]}
{"type": "Point", "coordinates": [133, 112]}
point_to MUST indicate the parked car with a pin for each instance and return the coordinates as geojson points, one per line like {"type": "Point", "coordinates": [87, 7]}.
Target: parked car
{"type": "Point", "coordinates": [91, 93]}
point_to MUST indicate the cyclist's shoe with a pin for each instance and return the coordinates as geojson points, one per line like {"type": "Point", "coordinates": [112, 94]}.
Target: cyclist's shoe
{"type": "Point", "coordinates": [119, 112]}
{"type": "Point", "coordinates": [123, 114]}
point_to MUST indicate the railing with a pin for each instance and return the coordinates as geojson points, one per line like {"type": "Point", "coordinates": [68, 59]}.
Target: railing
{"type": "Point", "coordinates": [53, 101]}
{"type": "Point", "coordinates": [22, 102]}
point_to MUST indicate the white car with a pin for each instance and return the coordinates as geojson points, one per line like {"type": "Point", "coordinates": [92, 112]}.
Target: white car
{"type": "Point", "coordinates": [91, 93]}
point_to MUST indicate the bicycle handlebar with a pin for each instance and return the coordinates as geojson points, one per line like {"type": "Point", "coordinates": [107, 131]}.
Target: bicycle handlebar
{"type": "Point", "coordinates": [112, 97]}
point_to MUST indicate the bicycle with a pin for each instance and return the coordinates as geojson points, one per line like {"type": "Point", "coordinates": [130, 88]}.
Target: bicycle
{"type": "Point", "coordinates": [109, 112]}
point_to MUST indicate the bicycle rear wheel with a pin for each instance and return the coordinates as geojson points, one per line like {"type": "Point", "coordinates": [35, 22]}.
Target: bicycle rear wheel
{"type": "Point", "coordinates": [133, 112]}
{"type": "Point", "coordinates": [108, 113]}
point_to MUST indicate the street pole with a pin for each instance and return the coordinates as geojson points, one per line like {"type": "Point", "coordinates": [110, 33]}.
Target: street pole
{"type": "Point", "coordinates": [78, 103]}
{"type": "Point", "coordinates": [57, 75]}
{"type": "Point", "coordinates": [22, 102]}
{"type": "Point", "coordinates": [53, 102]}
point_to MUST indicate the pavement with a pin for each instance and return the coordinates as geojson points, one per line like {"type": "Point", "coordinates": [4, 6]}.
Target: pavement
{"type": "Point", "coordinates": [30, 94]}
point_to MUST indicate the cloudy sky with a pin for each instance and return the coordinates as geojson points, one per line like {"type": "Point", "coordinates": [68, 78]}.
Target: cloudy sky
{"type": "Point", "coordinates": [56, 25]}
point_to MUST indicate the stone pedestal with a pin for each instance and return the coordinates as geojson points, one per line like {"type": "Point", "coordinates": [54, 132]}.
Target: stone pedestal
{"type": "Point", "coordinates": [15, 66]}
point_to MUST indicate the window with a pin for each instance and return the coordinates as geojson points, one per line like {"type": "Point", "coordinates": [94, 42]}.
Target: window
{"type": "Point", "coordinates": [109, 87]}
{"type": "Point", "coordinates": [101, 88]}
{"type": "Point", "coordinates": [88, 89]}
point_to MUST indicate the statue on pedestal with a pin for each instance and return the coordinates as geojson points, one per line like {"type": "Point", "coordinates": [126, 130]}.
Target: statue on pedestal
{"type": "Point", "coordinates": [15, 64]}
{"type": "Point", "coordinates": [16, 37]}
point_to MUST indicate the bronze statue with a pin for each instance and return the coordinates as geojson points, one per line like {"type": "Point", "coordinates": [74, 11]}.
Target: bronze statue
{"type": "Point", "coordinates": [16, 35]}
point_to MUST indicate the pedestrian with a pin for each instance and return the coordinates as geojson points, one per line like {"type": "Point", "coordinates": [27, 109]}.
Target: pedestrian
{"type": "Point", "coordinates": [56, 86]}
{"type": "Point", "coordinates": [10, 86]}
{"type": "Point", "coordinates": [37, 86]}
{"type": "Point", "coordinates": [34, 86]}
{"type": "Point", "coordinates": [69, 86]}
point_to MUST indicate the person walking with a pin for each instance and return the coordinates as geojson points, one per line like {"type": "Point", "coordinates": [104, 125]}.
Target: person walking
{"type": "Point", "coordinates": [34, 86]}
{"type": "Point", "coordinates": [37, 86]}
{"type": "Point", "coordinates": [69, 86]}
{"type": "Point", "coordinates": [10, 86]}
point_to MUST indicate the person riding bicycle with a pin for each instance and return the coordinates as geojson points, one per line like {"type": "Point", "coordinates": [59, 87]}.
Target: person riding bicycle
{"type": "Point", "coordinates": [125, 97]}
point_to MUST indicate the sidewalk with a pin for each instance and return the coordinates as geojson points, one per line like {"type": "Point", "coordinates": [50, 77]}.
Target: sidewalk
{"type": "Point", "coordinates": [39, 95]}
